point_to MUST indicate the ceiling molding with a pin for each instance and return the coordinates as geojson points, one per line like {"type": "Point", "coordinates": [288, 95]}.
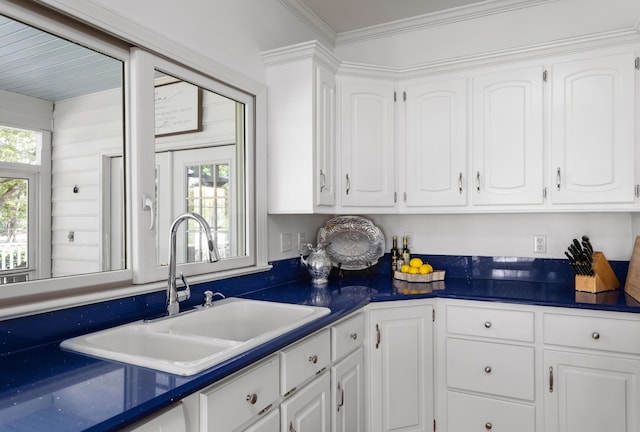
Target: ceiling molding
{"type": "Point", "coordinates": [448, 16]}
{"type": "Point", "coordinates": [627, 37]}
{"type": "Point", "coordinates": [308, 17]}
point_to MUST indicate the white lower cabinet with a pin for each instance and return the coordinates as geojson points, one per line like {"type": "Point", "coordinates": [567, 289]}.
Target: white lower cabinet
{"type": "Point", "coordinates": [592, 373]}
{"type": "Point", "coordinates": [308, 409]}
{"type": "Point", "coordinates": [499, 367]}
{"type": "Point", "coordinates": [400, 367]}
{"type": "Point", "coordinates": [489, 368]}
{"type": "Point", "coordinates": [347, 394]}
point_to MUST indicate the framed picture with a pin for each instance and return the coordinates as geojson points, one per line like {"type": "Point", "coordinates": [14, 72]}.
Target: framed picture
{"type": "Point", "coordinates": [178, 108]}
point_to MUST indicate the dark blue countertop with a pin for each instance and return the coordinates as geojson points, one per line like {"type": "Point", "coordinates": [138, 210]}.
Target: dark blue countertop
{"type": "Point", "coordinates": [45, 388]}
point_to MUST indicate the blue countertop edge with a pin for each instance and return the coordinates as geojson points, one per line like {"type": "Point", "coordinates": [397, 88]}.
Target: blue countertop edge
{"type": "Point", "coordinates": [344, 295]}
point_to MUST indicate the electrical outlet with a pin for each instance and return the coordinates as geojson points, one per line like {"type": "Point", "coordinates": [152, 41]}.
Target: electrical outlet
{"type": "Point", "coordinates": [286, 240]}
{"type": "Point", "coordinates": [302, 239]}
{"type": "Point", "coordinates": [540, 244]}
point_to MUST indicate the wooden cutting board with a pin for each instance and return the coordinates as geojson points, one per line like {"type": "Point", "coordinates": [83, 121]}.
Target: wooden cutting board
{"type": "Point", "coordinates": [632, 286]}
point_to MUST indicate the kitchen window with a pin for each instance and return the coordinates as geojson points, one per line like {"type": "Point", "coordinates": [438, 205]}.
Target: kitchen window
{"type": "Point", "coordinates": [96, 208]}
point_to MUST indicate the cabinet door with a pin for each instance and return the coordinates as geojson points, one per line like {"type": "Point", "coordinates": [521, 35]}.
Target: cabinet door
{"type": "Point", "coordinates": [592, 130]}
{"type": "Point", "coordinates": [347, 394]}
{"type": "Point", "coordinates": [367, 143]}
{"type": "Point", "coordinates": [308, 409]}
{"type": "Point", "coordinates": [401, 369]}
{"type": "Point", "coordinates": [436, 140]}
{"type": "Point", "coordinates": [507, 137]}
{"type": "Point", "coordinates": [591, 393]}
{"type": "Point", "coordinates": [325, 131]}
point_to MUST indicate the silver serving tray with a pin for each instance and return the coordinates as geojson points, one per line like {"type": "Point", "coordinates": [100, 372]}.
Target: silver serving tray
{"type": "Point", "coordinates": [355, 243]}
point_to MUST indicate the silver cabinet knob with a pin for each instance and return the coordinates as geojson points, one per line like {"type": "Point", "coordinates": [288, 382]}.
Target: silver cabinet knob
{"type": "Point", "coordinates": [252, 398]}
{"type": "Point", "coordinates": [313, 359]}
{"type": "Point", "coordinates": [487, 369]}
{"type": "Point", "coordinates": [488, 426]}
{"type": "Point", "coordinates": [595, 335]}
{"type": "Point", "coordinates": [353, 336]}
{"type": "Point", "coordinates": [487, 324]}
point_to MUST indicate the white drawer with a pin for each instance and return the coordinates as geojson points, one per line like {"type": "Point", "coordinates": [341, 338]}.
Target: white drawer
{"type": "Point", "coordinates": [474, 413]}
{"type": "Point", "coordinates": [492, 323]}
{"type": "Point", "coordinates": [231, 404]}
{"type": "Point", "coordinates": [303, 360]}
{"type": "Point", "coordinates": [493, 368]}
{"type": "Point", "coordinates": [610, 334]}
{"type": "Point", "coordinates": [347, 336]}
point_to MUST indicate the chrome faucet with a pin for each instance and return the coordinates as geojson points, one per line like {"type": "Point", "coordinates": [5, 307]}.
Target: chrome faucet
{"type": "Point", "coordinates": [174, 297]}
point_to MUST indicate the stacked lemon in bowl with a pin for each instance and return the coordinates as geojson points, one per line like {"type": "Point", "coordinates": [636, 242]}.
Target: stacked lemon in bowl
{"type": "Point", "coordinates": [418, 271]}
{"type": "Point", "coordinates": [416, 266]}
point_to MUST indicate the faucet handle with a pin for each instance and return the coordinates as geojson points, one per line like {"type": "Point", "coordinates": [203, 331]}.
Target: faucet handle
{"type": "Point", "coordinates": [184, 294]}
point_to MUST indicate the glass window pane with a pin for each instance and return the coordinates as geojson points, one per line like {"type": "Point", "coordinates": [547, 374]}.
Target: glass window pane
{"type": "Point", "coordinates": [14, 229]}
{"type": "Point", "coordinates": [19, 146]}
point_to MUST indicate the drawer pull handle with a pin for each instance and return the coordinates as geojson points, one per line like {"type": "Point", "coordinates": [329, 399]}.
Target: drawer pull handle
{"type": "Point", "coordinates": [595, 335]}
{"type": "Point", "coordinates": [252, 398]}
{"type": "Point", "coordinates": [353, 336]}
{"type": "Point", "coordinates": [488, 426]}
{"type": "Point", "coordinates": [487, 369]}
{"type": "Point", "coordinates": [341, 390]}
{"type": "Point", "coordinates": [377, 336]}
{"type": "Point", "coordinates": [550, 379]}
{"type": "Point", "coordinates": [313, 359]}
{"type": "Point", "coordinates": [487, 324]}
{"type": "Point", "coordinates": [291, 429]}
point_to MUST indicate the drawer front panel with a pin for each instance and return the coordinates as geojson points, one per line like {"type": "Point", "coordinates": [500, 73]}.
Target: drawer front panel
{"type": "Point", "coordinates": [472, 413]}
{"type": "Point", "coordinates": [347, 336]}
{"type": "Point", "coordinates": [228, 406]}
{"type": "Point", "coordinates": [492, 323]}
{"type": "Point", "coordinates": [493, 368]}
{"type": "Point", "coordinates": [304, 360]}
{"type": "Point", "coordinates": [608, 334]}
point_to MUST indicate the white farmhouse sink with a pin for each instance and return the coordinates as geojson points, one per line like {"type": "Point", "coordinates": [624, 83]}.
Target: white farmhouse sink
{"type": "Point", "coordinates": [190, 343]}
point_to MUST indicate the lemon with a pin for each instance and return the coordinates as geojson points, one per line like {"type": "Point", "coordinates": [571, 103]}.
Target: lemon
{"type": "Point", "coordinates": [413, 270]}
{"type": "Point", "coordinates": [415, 262]}
{"type": "Point", "coordinates": [426, 268]}
{"type": "Point", "coordinates": [404, 268]}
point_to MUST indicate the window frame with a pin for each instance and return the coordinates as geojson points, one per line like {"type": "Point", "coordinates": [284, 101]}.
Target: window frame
{"type": "Point", "coordinates": [79, 23]}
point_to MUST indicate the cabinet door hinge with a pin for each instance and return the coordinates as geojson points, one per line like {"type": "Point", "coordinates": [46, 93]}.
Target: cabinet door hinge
{"type": "Point", "coordinates": [638, 63]}
{"type": "Point", "coordinates": [545, 76]}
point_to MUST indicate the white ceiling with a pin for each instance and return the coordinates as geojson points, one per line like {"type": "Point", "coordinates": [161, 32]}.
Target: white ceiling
{"type": "Point", "coordinates": [347, 15]}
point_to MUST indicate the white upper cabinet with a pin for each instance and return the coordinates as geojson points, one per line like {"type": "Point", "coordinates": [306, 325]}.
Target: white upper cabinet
{"type": "Point", "coordinates": [301, 129]}
{"type": "Point", "coordinates": [433, 169]}
{"type": "Point", "coordinates": [367, 143]}
{"type": "Point", "coordinates": [592, 130]}
{"type": "Point", "coordinates": [507, 141]}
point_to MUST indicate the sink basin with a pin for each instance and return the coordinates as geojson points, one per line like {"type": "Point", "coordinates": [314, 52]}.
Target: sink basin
{"type": "Point", "coordinates": [192, 342]}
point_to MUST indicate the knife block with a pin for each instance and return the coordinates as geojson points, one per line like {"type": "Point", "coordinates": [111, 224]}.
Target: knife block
{"type": "Point", "coordinates": [603, 280]}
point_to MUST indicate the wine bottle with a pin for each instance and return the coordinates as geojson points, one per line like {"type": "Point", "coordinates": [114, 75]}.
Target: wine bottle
{"type": "Point", "coordinates": [395, 254]}
{"type": "Point", "coordinates": [406, 253]}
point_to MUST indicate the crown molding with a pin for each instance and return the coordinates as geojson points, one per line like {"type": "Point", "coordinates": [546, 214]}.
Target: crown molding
{"type": "Point", "coordinates": [448, 16]}
{"type": "Point", "coordinates": [618, 38]}
{"type": "Point", "coordinates": [308, 17]}
{"type": "Point", "coordinates": [305, 50]}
